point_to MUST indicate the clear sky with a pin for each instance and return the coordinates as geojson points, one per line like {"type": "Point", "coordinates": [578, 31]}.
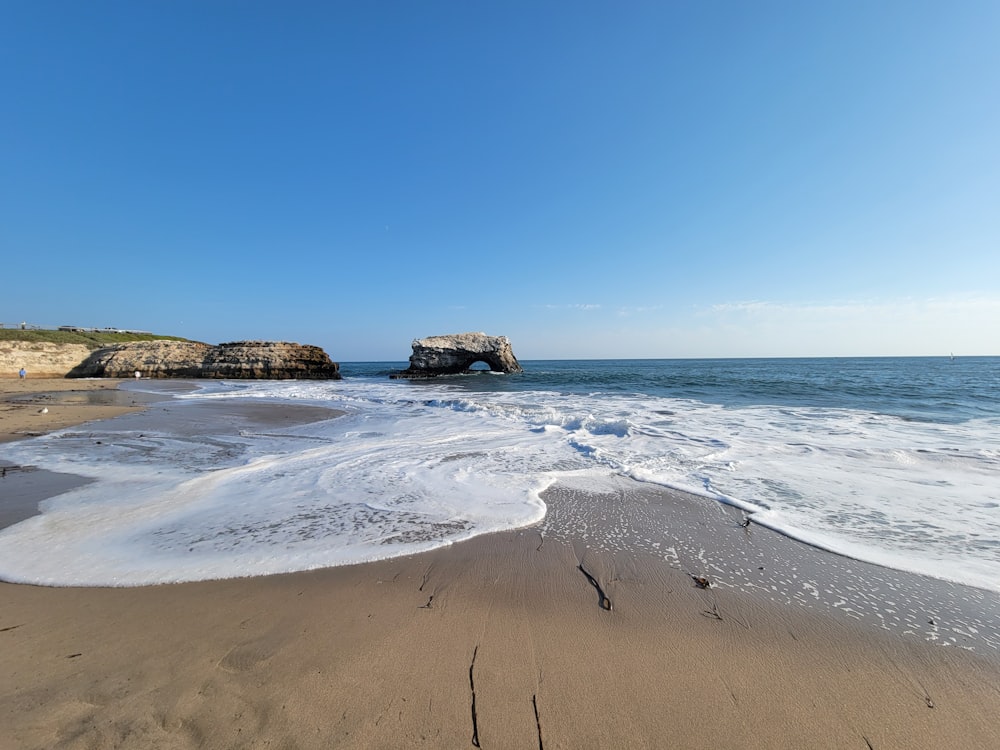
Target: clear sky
{"type": "Point", "coordinates": [615, 179]}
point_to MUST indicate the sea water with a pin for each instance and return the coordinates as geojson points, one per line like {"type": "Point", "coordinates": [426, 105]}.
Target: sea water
{"type": "Point", "coordinates": [894, 461]}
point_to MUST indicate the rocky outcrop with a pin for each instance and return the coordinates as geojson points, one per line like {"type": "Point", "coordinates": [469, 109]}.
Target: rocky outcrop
{"type": "Point", "coordinates": [269, 360]}
{"type": "Point", "coordinates": [450, 355]}
{"type": "Point", "coordinates": [259, 360]}
{"type": "Point", "coordinates": [153, 359]}
{"type": "Point", "coordinates": [40, 358]}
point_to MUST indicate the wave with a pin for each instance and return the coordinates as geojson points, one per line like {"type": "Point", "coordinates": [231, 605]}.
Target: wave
{"type": "Point", "coordinates": [410, 467]}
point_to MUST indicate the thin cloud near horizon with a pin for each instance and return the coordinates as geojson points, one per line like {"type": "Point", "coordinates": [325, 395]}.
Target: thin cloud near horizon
{"type": "Point", "coordinates": [956, 302]}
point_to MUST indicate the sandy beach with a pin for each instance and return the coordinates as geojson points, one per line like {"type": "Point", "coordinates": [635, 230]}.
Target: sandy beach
{"type": "Point", "coordinates": [577, 633]}
{"type": "Point", "coordinates": [65, 403]}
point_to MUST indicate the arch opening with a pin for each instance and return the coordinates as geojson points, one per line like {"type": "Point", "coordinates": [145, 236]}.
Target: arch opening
{"type": "Point", "coordinates": [480, 365]}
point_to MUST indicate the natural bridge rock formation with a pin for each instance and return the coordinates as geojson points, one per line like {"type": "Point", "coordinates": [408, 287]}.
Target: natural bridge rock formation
{"type": "Point", "coordinates": [450, 355]}
{"type": "Point", "coordinates": [258, 360]}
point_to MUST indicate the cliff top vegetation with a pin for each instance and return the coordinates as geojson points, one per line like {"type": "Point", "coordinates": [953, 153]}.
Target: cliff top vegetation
{"type": "Point", "coordinates": [90, 339]}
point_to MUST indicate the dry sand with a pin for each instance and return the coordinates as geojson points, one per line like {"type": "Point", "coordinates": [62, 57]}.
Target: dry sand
{"type": "Point", "coordinates": [499, 642]}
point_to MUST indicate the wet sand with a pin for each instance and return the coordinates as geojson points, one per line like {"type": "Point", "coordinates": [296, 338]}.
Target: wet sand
{"type": "Point", "coordinates": [589, 630]}
{"type": "Point", "coordinates": [77, 403]}
{"type": "Point", "coordinates": [35, 406]}
{"type": "Point", "coordinates": [65, 403]}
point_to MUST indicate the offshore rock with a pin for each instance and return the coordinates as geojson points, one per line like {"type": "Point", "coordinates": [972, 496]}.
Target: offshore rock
{"type": "Point", "coordinates": [254, 360]}
{"type": "Point", "coordinates": [456, 353]}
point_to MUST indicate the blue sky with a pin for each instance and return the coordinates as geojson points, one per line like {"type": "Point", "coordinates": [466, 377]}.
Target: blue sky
{"type": "Point", "coordinates": [667, 179]}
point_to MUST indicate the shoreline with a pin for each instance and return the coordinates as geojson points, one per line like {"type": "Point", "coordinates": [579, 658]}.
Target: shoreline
{"type": "Point", "coordinates": [66, 403]}
{"type": "Point", "coordinates": [506, 638]}
{"type": "Point", "coordinates": [706, 540]}
{"type": "Point", "coordinates": [21, 402]}
{"type": "Point", "coordinates": [27, 411]}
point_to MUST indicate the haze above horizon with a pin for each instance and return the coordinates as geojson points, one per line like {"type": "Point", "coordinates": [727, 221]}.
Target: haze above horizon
{"type": "Point", "coordinates": [592, 180]}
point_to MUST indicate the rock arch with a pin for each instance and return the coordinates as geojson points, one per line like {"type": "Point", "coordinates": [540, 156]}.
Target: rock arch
{"type": "Point", "coordinates": [457, 353]}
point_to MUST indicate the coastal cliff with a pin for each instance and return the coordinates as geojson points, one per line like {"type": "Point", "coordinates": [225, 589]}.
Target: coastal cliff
{"type": "Point", "coordinates": [269, 360]}
{"type": "Point", "coordinates": [40, 358]}
{"type": "Point", "coordinates": [263, 360]}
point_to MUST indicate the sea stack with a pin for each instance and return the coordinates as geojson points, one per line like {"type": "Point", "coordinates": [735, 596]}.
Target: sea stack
{"type": "Point", "coordinates": [456, 353]}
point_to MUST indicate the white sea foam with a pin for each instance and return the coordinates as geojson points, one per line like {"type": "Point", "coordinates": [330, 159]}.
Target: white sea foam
{"type": "Point", "coordinates": [413, 467]}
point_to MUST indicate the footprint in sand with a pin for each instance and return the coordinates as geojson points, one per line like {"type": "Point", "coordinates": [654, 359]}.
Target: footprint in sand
{"type": "Point", "coordinates": [246, 656]}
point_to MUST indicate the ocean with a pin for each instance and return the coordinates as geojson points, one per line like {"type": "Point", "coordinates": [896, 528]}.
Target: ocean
{"type": "Point", "coordinates": [894, 461]}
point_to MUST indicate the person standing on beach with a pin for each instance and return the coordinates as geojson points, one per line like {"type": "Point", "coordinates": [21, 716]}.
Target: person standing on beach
{"type": "Point", "coordinates": [22, 373]}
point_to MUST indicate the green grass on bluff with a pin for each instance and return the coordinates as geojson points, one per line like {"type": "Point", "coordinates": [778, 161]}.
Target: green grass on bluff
{"type": "Point", "coordinates": [88, 339]}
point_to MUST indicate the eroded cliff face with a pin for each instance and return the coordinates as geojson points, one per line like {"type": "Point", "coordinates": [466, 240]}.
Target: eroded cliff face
{"type": "Point", "coordinates": [456, 353]}
{"type": "Point", "coordinates": [259, 360]}
{"type": "Point", "coordinates": [269, 360]}
{"type": "Point", "coordinates": [40, 358]}
{"type": "Point", "coordinates": [153, 359]}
